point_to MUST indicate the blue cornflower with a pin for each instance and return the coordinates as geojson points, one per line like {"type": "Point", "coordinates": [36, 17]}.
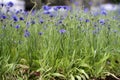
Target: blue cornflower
{"type": "Point", "coordinates": [41, 21]}
{"type": "Point", "coordinates": [102, 21]}
{"type": "Point", "coordinates": [40, 33]}
{"type": "Point", "coordinates": [62, 31]}
{"type": "Point", "coordinates": [15, 18]}
{"type": "Point", "coordinates": [95, 13]}
{"type": "Point", "coordinates": [10, 4]}
{"type": "Point", "coordinates": [87, 20]}
{"type": "Point", "coordinates": [21, 10]}
{"type": "Point", "coordinates": [3, 16]}
{"type": "Point", "coordinates": [46, 12]}
{"type": "Point", "coordinates": [17, 26]}
{"type": "Point", "coordinates": [104, 12]}
{"type": "Point", "coordinates": [33, 12]}
{"type": "Point", "coordinates": [26, 33]}
{"type": "Point", "coordinates": [55, 8]}
{"type": "Point", "coordinates": [51, 15]}
{"type": "Point", "coordinates": [86, 10]}
{"type": "Point", "coordinates": [59, 7]}
{"type": "Point", "coordinates": [1, 4]}
{"type": "Point", "coordinates": [46, 8]}
{"type": "Point", "coordinates": [32, 22]}
{"type": "Point", "coordinates": [27, 24]}
{"type": "Point", "coordinates": [25, 13]}
{"type": "Point", "coordinates": [21, 18]}
{"type": "Point", "coordinates": [66, 8]}
{"type": "Point", "coordinates": [17, 12]}
{"type": "Point", "coordinates": [80, 19]}
{"type": "Point", "coordinates": [60, 22]}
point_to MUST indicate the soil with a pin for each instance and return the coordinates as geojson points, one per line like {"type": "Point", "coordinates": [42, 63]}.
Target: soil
{"type": "Point", "coordinates": [108, 78]}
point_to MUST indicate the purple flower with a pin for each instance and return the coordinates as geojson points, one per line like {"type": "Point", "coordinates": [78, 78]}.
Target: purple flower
{"type": "Point", "coordinates": [95, 13]}
{"type": "Point", "coordinates": [46, 8]}
{"type": "Point", "coordinates": [55, 9]}
{"type": "Point", "coordinates": [46, 12]}
{"type": "Point", "coordinates": [10, 4]}
{"type": "Point", "coordinates": [26, 13]}
{"type": "Point", "coordinates": [21, 18]}
{"type": "Point", "coordinates": [27, 24]}
{"type": "Point", "coordinates": [66, 8]}
{"type": "Point", "coordinates": [26, 33]}
{"type": "Point", "coordinates": [86, 10]}
{"type": "Point", "coordinates": [59, 7]}
{"type": "Point", "coordinates": [102, 21]}
{"type": "Point", "coordinates": [32, 22]}
{"type": "Point", "coordinates": [51, 15]}
{"type": "Point", "coordinates": [87, 20]}
{"type": "Point", "coordinates": [60, 22]}
{"type": "Point", "coordinates": [3, 17]}
{"type": "Point", "coordinates": [40, 33]}
{"type": "Point", "coordinates": [17, 12]}
{"type": "Point", "coordinates": [62, 31]}
{"type": "Point", "coordinates": [104, 12]}
{"type": "Point", "coordinates": [17, 26]}
{"type": "Point", "coordinates": [41, 21]}
{"type": "Point", "coordinates": [80, 19]}
{"type": "Point", "coordinates": [15, 18]}
{"type": "Point", "coordinates": [33, 12]}
{"type": "Point", "coordinates": [1, 4]}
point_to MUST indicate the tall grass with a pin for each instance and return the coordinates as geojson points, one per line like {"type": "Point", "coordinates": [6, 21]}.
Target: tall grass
{"type": "Point", "coordinates": [77, 46]}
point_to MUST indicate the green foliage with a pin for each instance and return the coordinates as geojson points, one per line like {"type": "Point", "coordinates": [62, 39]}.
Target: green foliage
{"type": "Point", "coordinates": [77, 54]}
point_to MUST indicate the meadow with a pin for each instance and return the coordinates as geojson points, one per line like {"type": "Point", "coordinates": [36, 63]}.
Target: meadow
{"type": "Point", "coordinates": [73, 44]}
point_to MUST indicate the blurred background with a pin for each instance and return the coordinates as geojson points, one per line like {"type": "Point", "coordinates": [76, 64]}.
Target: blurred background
{"type": "Point", "coordinates": [90, 4]}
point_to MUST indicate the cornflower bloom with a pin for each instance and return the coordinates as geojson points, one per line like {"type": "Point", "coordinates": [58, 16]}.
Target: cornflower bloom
{"type": "Point", "coordinates": [32, 22]}
{"type": "Point", "coordinates": [62, 31]}
{"type": "Point", "coordinates": [46, 8]}
{"type": "Point", "coordinates": [103, 12]}
{"type": "Point", "coordinates": [10, 4]}
{"type": "Point", "coordinates": [21, 18]}
{"type": "Point", "coordinates": [17, 26]}
{"type": "Point", "coordinates": [102, 21]}
{"type": "Point", "coordinates": [40, 33]}
{"type": "Point", "coordinates": [87, 20]}
{"type": "Point", "coordinates": [3, 16]}
{"type": "Point", "coordinates": [41, 21]}
{"type": "Point", "coordinates": [26, 33]}
{"type": "Point", "coordinates": [86, 10]}
{"type": "Point", "coordinates": [15, 18]}
{"type": "Point", "coordinates": [55, 9]}
{"type": "Point", "coordinates": [1, 4]}
{"type": "Point", "coordinates": [46, 12]}
{"type": "Point", "coordinates": [67, 8]}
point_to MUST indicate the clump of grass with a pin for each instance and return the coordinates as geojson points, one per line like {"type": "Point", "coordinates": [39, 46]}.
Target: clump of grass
{"type": "Point", "coordinates": [67, 46]}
